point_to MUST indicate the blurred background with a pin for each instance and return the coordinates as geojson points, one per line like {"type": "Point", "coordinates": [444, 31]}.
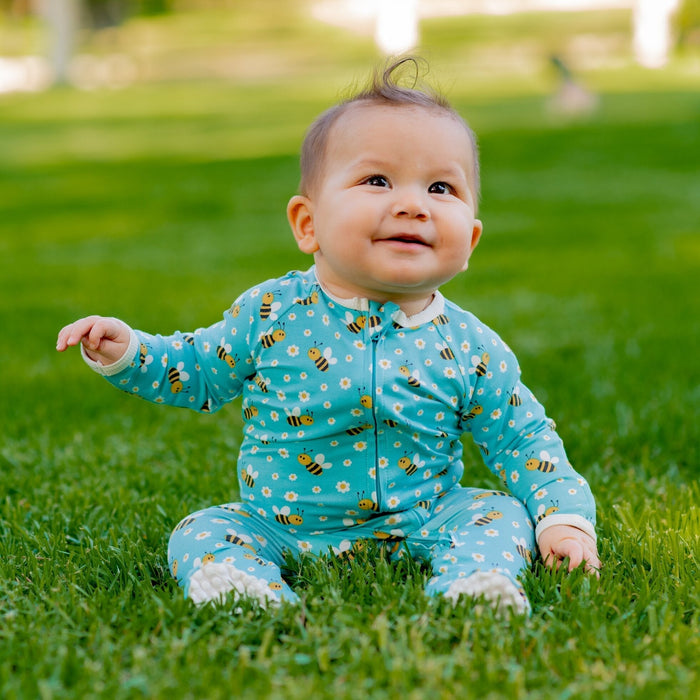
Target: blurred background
{"type": "Point", "coordinates": [148, 149]}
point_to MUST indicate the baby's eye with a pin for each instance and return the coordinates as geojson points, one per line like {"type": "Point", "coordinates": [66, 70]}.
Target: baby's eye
{"type": "Point", "coordinates": [440, 188]}
{"type": "Point", "coordinates": [376, 181]}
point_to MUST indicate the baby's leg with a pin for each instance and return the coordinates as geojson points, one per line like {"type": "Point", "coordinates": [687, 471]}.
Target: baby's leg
{"type": "Point", "coordinates": [483, 541]}
{"type": "Point", "coordinates": [223, 549]}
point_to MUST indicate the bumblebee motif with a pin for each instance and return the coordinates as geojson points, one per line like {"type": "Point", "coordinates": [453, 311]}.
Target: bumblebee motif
{"type": "Point", "coordinates": [322, 360]}
{"type": "Point", "coordinates": [480, 364]}
{"type": "Point", "coordinates": [488, 518]}
{"type": "Point", "coordinates": [521, 548]}
{"type": "Point", "coordinates": [269, 307]}
{"type": "Point", "coordinates": [296, 418]}
{"type": "Point", "coordinates": [543, 512]}
{"type": "Point", "coordinates": [355, 325]}
{"type": "Point", "coordinates": [223, 353]}
{"type": "Point", "coordinates": [249, 476]}
{"type": "Point", "coordinates": [476, 411]}
{"type": "Point", "coordinates": [515, 398]}
{"type": "Point", "coordinates": [486, 494]}
{"type": "Point", "coordinates": [262, 383]}
{"type": "Point", "coordinates": [368, 503]}
{"type": "Point", "coordinates": [267, 341]}
{"type": "Point", "coordinates": [241, 540]}
{"type": "Point", "coordinates": [307, 301]}
{"type": "Point", "coordinates": [314, 466]}
{"type": "Point", "coordinates": [284, 516]}
{"type": "Point", "coordinates": [176, 377]}
{"type": "Point", "coordinates": [411, 466]}
{"type": "Point", "coordinates": [184, 523]}
{"type": "Point", "coordinates": [441, 320]}
{"type": "Point", "coordinates": [144, 358]}
{"type": "Point", "coordinates": [412, 378]}
{"type": "Point", "coordinates": [206, 407]}
{"type": "Point", "coordinates": [359, 429]}
{"type": "Point", "coordinates": [545, 463]}
{"type": "Point", "coordinates": [250, 412]}
{"type": "Point", "coordinates": [445, 351]}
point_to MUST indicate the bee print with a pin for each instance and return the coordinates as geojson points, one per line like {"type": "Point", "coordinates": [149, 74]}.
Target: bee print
{"type": "Point", "coordinates": [368, 503]}
{"type": "Point", "coordinates": [411, 466]}
{"type": "Point", "coordinates": [347, 549]}
{"type": "Point", "coordinates": [543, 512]}
{"type": "Point", "coordinates": [515, 398]}
{"type": "Point", "coordinates": [322, 360]}
{"type": "Point", "coordinates": [207, 559]}
{"type": "Point", "coordinates": [545, 463]}
{"type": "Point", "coordinates": [412, 378]}
{"type": "Point", "coordinates": [476, 411]}
{"type": "Point", "coordinates": [184, 523]}
{"type": "Point", "coordinates": [269, 307]}
{"type": "Point", "coordinates": [241, 540]}
{"type": "Point", "coordinates": [390, 422]}
{"type": "Point", "coordinates": [442, 472]}
{"type": "Point", "coordinates": [296, 418]}
{"type": "Point", "coordinates": [223, 353]}
{"type": "Point", "coordinates": [445, 351]}
{"type": "Point", "coordinates": [249, 476]}
{"type": "Point", "coordinates": [424, 504]}
{"type": "Point", "coordinates": [262, 383]}
{"type": "Point", "coordinates": [144, 358]}
{"type": "Point", "coordinates": [189, 338]}
{"type": "Point", "coordinates": [235, 310]}
{"type": "Point", "coordinates": [480, 364]}
{"type": "Point", "coordinates": [486, 494]}
{"type": "Point", "coordinates": [521, 548]}
{"type": "Point", "coordinates": [206, 407]}
{"type": "Point", "coordinates": [256, 559]}
{"type": "Point", "coordinates": [441, 320]}
{"type": "Point", "coordinates": [250, 412]}
{"type": "Point", "coordinates": [354, 325]}
{"type": "Point", "coordinates": [177, 375]}
{"type": "Point", "coordinates": [173, 568]}
{"type": "Point", "coordinates": [284, 516]}
{"type": "Point", "coordinates": [359, 429]}
{"type": "Point", "coordinates": [366, 401]}
{"type": "Point", "coordinates": [374, 321]}
{"type": "Point", "coordinates": [314, 466]}
{"type": "Point", "coordinates": [267, 341]}
{"type": "Point", "coordinates": [488, 518]}
{"type": "Point", "coordinates": [307, 301]}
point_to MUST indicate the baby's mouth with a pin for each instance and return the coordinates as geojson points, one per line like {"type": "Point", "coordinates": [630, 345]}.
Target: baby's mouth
{"type": "Point", "coordinates": [407, 238]}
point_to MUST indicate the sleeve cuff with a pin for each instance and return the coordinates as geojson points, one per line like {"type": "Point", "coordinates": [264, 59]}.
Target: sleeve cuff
{"type": "Point", "coordinates": [121, 364]}
{"type": "Point", "coordinates": [577, 521]}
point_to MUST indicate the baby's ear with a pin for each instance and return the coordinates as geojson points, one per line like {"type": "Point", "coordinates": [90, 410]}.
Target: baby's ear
{"type": "Point", "coordinates": [300, 216]}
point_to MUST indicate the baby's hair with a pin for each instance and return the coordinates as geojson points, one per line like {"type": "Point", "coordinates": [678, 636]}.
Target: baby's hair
{"type": "Point", "coordinates": [384, 89]}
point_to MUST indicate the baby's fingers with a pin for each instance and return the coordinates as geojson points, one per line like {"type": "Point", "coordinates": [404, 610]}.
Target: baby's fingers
{"type": "Point", "coordinates": [73, 333]}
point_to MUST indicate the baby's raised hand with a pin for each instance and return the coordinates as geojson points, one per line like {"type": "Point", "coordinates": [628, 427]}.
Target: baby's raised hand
{"type": "Point", "coordinates": [105, 340]}
{"type": "Point", "coordinates": [561, 541]}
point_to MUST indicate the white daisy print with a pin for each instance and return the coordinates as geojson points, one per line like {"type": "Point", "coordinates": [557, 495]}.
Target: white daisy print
{"type": "Point", "coordinates": [491, 532]}
{"type": "Point", "coordinates": [477, 556]}
{"type": "Point", "coordinates": [342, 487]}
{"type": "Point", "coordinates": [541, 494]}
{"type": "Point", "coordinates": [345, 383]}
{"type": "Point", "coordinates": [293, 350]}
{"type": "Point", "coordinates": [291, 496]}
{"type": "Point", "coordinates": [202, 535]}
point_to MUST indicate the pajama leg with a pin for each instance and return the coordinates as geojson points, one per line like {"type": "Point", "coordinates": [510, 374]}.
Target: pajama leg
{"type": "Point", "coordinates": [471, 531]}
{"type": "Point", "coordinates": [221, 549]}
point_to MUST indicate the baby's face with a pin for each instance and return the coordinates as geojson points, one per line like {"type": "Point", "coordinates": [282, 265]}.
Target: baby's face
{"type": "Point", "coordinates": [393, 216]}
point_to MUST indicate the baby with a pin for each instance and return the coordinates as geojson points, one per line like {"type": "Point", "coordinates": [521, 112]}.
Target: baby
{"type": "Point", "coordinates": [359, 377]}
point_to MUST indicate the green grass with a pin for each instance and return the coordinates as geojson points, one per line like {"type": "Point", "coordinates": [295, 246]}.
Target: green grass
{"type": "Point", "coordinates": [160, 204]}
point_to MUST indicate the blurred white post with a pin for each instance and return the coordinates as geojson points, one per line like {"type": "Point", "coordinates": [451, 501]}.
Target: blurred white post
{"type": "Point", "coordinates": [396, 29]}
{"type": "Point", "coordinates": [652, 31]}
{"type": "Point", "coordinates": [62, 18]}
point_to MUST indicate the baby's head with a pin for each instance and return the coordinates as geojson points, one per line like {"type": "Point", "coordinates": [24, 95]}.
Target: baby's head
{"type": "Point", "coordinates": [388, 195]}
{"type": "Point", "coordinates": [386, 91]}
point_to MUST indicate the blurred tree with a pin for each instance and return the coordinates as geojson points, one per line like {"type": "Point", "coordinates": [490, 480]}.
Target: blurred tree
{"type": "Point", "coordinates": [688, 22]}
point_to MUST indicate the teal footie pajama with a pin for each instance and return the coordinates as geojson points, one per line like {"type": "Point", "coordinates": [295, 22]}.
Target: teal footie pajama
{"type": "Point", "coordinates": [353, 417]}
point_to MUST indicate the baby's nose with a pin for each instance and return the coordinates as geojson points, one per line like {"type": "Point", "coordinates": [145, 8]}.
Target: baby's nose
{"type": "Point", "coordinates": [410, 204]}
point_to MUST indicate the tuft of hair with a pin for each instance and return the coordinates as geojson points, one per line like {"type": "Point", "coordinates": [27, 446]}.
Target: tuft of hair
{"type": "Point", "coordinates": [385, 88]}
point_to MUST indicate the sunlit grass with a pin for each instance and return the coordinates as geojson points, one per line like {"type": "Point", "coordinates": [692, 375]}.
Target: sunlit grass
{"type": "Point", "coordinates": [160, 204]}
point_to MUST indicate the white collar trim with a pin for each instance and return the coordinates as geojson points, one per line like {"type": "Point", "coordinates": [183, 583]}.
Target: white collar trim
{"type": "Point", "coordinates": [434, 309]}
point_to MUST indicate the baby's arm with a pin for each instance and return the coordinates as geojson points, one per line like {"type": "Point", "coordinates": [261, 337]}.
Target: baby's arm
{"type": "Point", "coordinates": [558, 542]}
{"type": "Point", "coordinates": [104, 340]}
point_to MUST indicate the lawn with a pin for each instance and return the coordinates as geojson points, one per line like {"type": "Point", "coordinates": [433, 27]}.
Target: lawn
{"type": "Point", "coordinates": [160, 203]}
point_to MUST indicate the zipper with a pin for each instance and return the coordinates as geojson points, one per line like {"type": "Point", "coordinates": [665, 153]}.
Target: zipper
{"type": "Point", "coordinates": [374, 339]}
